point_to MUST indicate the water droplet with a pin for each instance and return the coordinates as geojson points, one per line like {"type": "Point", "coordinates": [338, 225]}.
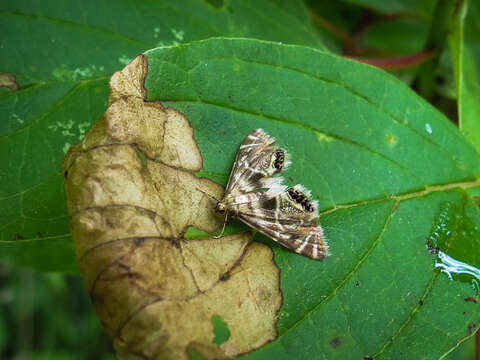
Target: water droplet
{"type": "Point", "coordinates": [455, 240]}
{"type": "Point", "coordinates": [451, 266]}
{"type": "Point", "coordinates": [428, 128]}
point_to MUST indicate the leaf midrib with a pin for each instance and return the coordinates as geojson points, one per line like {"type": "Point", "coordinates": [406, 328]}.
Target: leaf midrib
{"type": "Point", "coordinates": [330, 81]}
{"type": "Point", "coordinates": [308, 128]}
{"type": "Point", "coordinates": [10, 242]}
{"type": "Point", "coordinates": [353, 270]}
{"type": "Point", "coordinates": [355, 267]}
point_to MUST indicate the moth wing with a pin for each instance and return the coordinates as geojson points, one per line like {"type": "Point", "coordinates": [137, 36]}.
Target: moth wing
{"type": "Point", "coordinates": [256, 158]}
{"type": "Point", "coordinates": [305, 240]}
{"type": "Point", "coordinates": [277, 204]}
{"type": "Point", "coordinates": [287, 222]}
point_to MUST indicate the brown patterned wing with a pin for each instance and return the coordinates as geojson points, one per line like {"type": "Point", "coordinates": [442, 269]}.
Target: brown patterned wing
{"type": "Point", "coordinates": [290, 219]}
{"type": "Point", "coordinates": [256, 159]}
{"type": "Point", "coordinates": [305, 240]}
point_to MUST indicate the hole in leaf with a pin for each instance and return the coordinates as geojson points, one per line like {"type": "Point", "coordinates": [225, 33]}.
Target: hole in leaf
{"type": "Point", "coordinates": [141, 155]}
{"type": "Point", "coordinates": [220, 330]}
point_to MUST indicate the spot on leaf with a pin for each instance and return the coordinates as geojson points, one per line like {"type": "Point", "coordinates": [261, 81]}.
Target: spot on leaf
{"type": "Point", "coordinates": [323, 137]}
{"type": "Point", "coordinates": [9, 81]}
{"type": "Point", "coordinates": [391, 139]}
{"type": "Point", "coordinates": [335, 342]}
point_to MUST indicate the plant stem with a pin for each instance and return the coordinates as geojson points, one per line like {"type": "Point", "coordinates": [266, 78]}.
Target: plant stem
{"type": "Point", "coordinates": [439, 29]}
{"type": "Point", "coordinates": [394, 63]}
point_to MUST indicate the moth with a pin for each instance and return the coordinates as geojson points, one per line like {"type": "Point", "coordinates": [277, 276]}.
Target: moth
{"type": "Point", "coordinates": [263, 202]}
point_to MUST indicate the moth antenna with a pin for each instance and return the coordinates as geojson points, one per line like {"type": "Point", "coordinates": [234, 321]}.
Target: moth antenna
{"type": "Point", "coordinates": [210, 196]}
{"type": "Point", "coordinates": [223, 228]}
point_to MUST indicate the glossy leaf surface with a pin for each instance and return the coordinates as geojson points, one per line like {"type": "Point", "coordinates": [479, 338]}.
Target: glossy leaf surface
{"type": "Point", "coordinates": [384, 165]}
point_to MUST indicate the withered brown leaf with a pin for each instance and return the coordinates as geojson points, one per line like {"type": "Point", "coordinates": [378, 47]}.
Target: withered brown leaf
{"type": "Point", "coordinates": [154, 291]}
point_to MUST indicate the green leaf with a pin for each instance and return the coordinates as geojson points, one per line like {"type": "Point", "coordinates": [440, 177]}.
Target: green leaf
{"type": "Point", "coordinates": [383, 163]}
{"type": "Point", "coordinates": [53, 253]}
{"type": "Point", "coordinates": [465, 48]}
{"type": "Point", "coordinates": [423, 8]}
{"type": "Point", "coordinates": [62, 55]}
{"type": "Point", "coordinates": [467, 350]}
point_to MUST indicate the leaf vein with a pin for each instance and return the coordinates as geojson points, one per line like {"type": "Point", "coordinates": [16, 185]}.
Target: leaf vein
{"type": "Point", "coordinates": [308, 128]}
{"type": "Point", "coordinates": [70, 23]}
{"type": "Point", "coordinates": [347, 276]}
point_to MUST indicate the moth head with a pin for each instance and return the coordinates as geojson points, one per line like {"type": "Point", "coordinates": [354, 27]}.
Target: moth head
{"type": "Point", "coordinates": [221, 208]}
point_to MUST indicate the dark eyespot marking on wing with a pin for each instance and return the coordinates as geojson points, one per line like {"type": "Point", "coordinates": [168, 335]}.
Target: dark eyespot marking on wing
{"type": "Point", "coordinates": [279, 159]}
{"type": "Point", "coordinates": [300, 198]}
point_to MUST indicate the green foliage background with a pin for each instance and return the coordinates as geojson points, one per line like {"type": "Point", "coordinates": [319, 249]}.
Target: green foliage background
{"type": "Point", "coordinates": [63, 54]}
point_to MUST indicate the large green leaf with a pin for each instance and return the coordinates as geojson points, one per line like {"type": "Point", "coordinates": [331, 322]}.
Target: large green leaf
{"type": "Point", "coordinates": [465, 46]}
{"type": "Point", "coordinates": [62, 54]}
{"type": "Point", "coordinates": [393, 175]}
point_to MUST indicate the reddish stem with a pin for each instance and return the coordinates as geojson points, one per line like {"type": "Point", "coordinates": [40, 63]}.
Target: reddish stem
{"type": "Point", "coordinates": [400, 62]}
{"type": "Point", "coordinates": [339, 33]}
